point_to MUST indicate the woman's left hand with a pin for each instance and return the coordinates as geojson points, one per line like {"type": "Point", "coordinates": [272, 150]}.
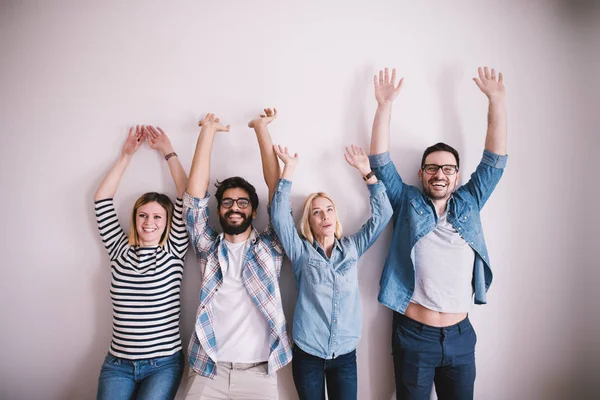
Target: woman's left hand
{"type": "Point", "coordinates": [158, 140]}
{"type": "Point", "coordinates": [356, 157]}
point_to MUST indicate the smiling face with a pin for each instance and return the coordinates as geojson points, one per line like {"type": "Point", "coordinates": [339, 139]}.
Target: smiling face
{"type": "Point", "coordinates": [150, 223]}
{"type": "Point", "coordinates": [323, 218]}
{"type": "Point", "coordinates": [439, 186]}
{"type": "Point", "coordinates": [236, 220]}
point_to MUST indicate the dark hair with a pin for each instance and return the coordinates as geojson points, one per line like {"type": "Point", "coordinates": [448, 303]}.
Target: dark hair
{"type": "Point", "coordinates": [440, 147]}
{"type": "Point", "coordinates": [236, 182]}
{"type": "Point", "coordinates": [165, 202]}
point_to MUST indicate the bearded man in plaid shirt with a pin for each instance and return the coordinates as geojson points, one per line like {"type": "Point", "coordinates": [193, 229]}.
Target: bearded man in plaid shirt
{"type": "Point", "coordinates": [240, 336]}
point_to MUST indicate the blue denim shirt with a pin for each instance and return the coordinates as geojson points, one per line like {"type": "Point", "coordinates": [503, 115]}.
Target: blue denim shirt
{"type": "Point", "coordinates": [415, 217]}
{"type": "Point", "coordinates": [327, 319]}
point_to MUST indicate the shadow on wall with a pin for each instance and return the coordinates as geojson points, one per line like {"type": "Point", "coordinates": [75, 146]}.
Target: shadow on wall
{"type": "Point", "coordinates": [84, 383]}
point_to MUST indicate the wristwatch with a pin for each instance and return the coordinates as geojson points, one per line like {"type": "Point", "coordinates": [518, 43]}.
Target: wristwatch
{"type": "Point", "coordinates": [368, 176]}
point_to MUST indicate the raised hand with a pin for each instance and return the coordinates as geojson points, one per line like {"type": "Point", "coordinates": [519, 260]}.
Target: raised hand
{"type": "Point", "coordinates": [158, 139]}
{"type": "Point", "coordinates": [264, 119]}
{"type": "Point", "coordinates": [210, 122]}
{"type": "Point", "coordinates": [134, 140]}
{"type": "Point", "coordinates": [285, 156]}
{"type": "Point", "coordinates": [356, 157]}
{"type": "Point", "coordinates": [386, 89]}
{"type": "Point", "coordinates": [489, 84]}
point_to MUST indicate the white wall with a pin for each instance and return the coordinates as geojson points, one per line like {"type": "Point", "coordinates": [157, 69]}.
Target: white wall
{"type": "Point", "coordinates": [74, 76]}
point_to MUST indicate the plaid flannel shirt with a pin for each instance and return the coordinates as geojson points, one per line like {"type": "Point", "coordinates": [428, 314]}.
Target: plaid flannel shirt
{"type": "Point", "coordinates": [260, 274]}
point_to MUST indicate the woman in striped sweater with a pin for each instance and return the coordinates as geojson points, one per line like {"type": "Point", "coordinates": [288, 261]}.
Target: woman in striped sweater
{"type": "Point", "coordinates": [145, 358]}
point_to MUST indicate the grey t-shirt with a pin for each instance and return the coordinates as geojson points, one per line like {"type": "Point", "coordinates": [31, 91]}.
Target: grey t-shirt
{"type": "Point", "coordinates": [443, 270]}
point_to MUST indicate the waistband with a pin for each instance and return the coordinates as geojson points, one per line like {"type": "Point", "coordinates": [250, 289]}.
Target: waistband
{"type": "Point", "coordinates": [459, 327]}
{"type": "Point", "coordinates": [241, 366]}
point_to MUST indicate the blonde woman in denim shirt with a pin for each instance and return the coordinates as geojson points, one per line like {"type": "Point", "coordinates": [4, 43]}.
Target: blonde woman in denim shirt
{"type": "Point", "coordinates": [327, 319]}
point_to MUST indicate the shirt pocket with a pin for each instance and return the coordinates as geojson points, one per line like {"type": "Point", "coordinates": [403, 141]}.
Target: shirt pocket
{"type": "Point", "coordinates": [348, 271]}
{"type": "Point", "coordinates": [317, 271]}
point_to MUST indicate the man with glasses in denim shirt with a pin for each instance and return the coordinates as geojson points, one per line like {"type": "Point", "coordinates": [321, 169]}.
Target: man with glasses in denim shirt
{"type": "Point", "coordinates": [240, 337]}
{"type": "Point", "coordinates": [438, 260]}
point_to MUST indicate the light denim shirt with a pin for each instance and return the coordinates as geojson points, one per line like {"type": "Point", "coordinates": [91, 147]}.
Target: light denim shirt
{"type": "Point", "coordinates": [415, 217]}
{"type": "Point", "coordinates": [327, 319]}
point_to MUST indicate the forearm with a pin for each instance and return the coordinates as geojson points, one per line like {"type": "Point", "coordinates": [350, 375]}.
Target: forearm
{"type": "Point", "coordinates": [179, 176]}
{"type": "Point", "coordinates": [110, 183]}
{"type": "Point", "coordinates": [288, 172]}
{"type": "Point", "coordinates": [200, 170]}
{"type": "Point", "coordinates": [380, 136]}
{"type": "Point", "coordinates": [270, 165]}
{"type": "Point", "coordinates": [495, 140]}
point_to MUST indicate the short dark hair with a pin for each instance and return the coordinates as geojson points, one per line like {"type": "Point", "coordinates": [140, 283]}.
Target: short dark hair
{"type": "Point", "coordinates": [440, 147]}
{"type": "Point", "coordinates": [236, 182]}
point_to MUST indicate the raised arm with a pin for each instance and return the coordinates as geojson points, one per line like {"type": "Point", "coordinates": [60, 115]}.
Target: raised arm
{"type": "Point", "coordinates": [110, 183]}
{"type": "Point", "coordinates": [386, 92]}
{"type": "Point", "coordinates": [268, 158]}
{"type": "Point", "coordinates": [493, 88]}
{"type": "Point", "coordinates": [281, 211]}
{"type": "Point", "coordinates": [381, 209]}
{"type": "Point", "coordinates": [289, 162]}
{"type": "Point", "coordinates": [159, 141]}
{"type": "Point", "coordinates": [200, 171]}
{"type": "Point", "coordinates": [356, 157]}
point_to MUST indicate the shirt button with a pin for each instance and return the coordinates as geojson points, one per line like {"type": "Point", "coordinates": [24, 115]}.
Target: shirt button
{"type": "Point", "coordinates": [420, 212]}
{"type": "Point", "coordinates": [459, 228]}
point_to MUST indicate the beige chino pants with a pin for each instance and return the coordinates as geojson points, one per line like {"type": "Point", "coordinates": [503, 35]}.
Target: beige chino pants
{"type": "Point", "coordinates": [234, 381]}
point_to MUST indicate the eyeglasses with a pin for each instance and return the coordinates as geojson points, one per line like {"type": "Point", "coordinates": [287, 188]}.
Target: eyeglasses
{"type": "Point", "coordinates": [447, 169]}
{"type": "Point", "coordinates": [242, 202]}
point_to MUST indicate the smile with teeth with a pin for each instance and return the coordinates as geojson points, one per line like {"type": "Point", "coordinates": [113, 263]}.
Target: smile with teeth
{"type": "Point", "coordinates": [439, 184]}
{"type": "Point", "coordinates": [148, 230]}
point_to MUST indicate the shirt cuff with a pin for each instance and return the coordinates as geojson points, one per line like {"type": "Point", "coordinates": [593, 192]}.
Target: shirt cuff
{"type": "Point", "coordinates": [283, 185]}
{"type": "Point", "coordinates": [376, 188]}
{"type": "Point", "coordinates": [379, 160]}
{"type": "Point", "coordinates": [190, 201]}
{"type": "Point", "coordinates": [493, 160]}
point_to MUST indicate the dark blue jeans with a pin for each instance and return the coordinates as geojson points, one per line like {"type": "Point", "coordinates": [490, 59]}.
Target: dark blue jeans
{"type": "Point", "coordinates": [152, 378]}
{"type": "Point", "coordinates": [310, 373]}
{"type": "Point", "coordinates": [424, 355]}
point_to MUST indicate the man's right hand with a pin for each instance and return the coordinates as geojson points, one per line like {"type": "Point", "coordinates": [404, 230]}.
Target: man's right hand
{"type": "Point", "coordinates": [386, 90]}
{"type": "Point", "coordinates": [264, 119]}
{"type": "Point", "coordinates": [210, 122]}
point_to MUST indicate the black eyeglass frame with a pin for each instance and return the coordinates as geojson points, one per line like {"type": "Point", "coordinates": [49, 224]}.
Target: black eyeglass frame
{"type": "Point", "coordinates": [437, 168]}
{"type": "Point", "coordinates": [235, 201]}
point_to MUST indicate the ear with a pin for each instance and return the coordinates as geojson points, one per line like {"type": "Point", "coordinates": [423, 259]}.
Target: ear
{"type": "Point", "coordinates": [254, 214]}
{"type": "Point", "coordinates": [420, 174]}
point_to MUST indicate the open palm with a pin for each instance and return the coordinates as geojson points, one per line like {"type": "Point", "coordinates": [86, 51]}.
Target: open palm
{"type": "Point", "coordinates": [386, 89]}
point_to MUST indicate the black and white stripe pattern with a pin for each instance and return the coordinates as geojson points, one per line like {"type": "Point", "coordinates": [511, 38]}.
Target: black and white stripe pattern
{"type": "Point", "coordinates": [145, 287]}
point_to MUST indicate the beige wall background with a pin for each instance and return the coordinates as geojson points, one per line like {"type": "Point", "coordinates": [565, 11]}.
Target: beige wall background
{"type": "Point", "coordinates": [75, 75]}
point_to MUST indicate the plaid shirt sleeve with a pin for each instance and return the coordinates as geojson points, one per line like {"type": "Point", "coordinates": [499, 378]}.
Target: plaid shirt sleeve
{"type": "Point", "coordinates": [195, 214]}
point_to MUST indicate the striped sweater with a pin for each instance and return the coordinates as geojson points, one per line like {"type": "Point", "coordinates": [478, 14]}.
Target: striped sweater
{"type": "Point", "coordinates": [145, 287]}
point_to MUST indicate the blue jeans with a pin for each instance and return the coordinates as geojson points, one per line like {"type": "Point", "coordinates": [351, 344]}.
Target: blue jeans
{"type": "Point", "coordinates": [424, 355]}
{"type": "Point", "coordinates": [310, 373]}
{"type": "Point", "coordinates": [151, 378]}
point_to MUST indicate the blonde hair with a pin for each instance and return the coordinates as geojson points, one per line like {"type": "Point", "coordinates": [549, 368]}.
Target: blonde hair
{"type": "Point", "coordinates": [304, 223]}
{"type": "Point", "coordinates": [165, 202]}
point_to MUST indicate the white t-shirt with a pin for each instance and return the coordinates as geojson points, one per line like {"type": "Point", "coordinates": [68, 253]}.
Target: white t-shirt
{"type": "Point", "coordinates": [443, 270]}
{"type": "Point", "coordinates": [241, 331]}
